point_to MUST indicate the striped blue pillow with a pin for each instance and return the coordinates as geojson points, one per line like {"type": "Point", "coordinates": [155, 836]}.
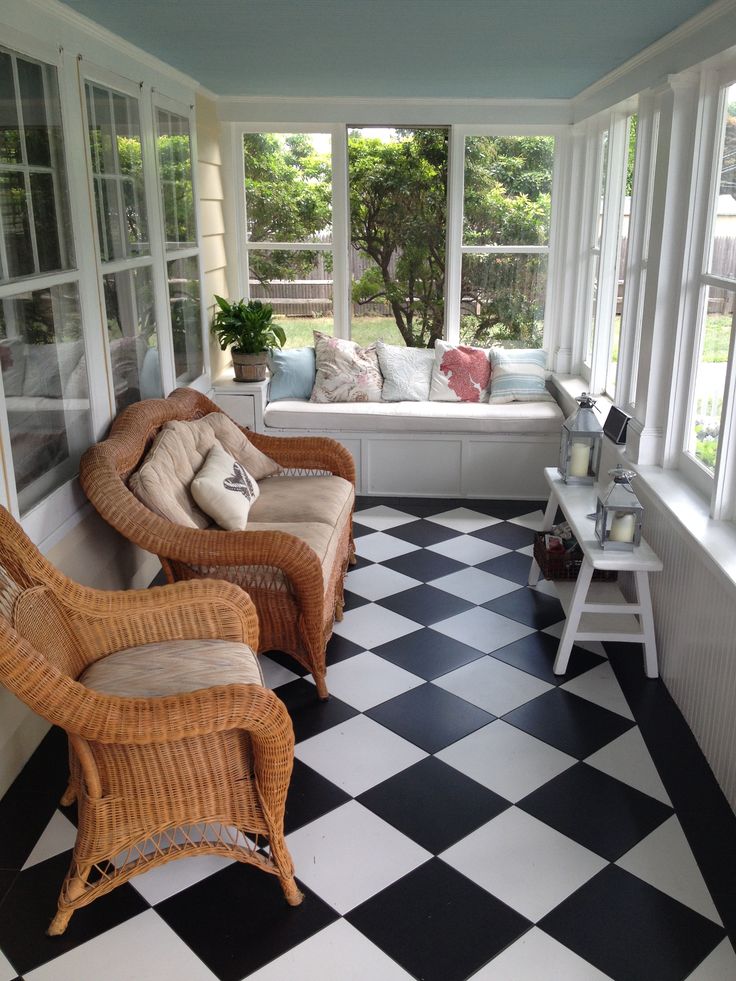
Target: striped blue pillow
{"type": "Point", "coordinates": [518, 376]}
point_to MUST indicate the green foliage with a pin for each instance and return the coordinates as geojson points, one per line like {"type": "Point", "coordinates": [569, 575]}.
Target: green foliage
{"type": "Point", "coordinates": [706, 447]}
{"type": "Point", "coordinates": [631, 154]}
{"type": "Point", "coordinates": [247, 327]}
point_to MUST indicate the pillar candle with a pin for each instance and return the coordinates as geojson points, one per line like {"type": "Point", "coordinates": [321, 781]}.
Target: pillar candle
{"type": "Point", "coordinates": [579, 459]}
{"type": "Point", "coordinates": [622, 527]}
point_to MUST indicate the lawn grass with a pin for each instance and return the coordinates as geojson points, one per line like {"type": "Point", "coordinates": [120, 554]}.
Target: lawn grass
{"type": "Point", "coordinates": [717, 338]}
{"type": "Point", "coordinates": [365, 330]}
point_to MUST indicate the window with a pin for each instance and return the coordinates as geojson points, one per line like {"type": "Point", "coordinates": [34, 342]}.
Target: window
{"type": "Point", "coordinates": [42, 351]}
{"type": "Point", "coordinates": [288, 233]}
{"type": "Point", "coordinates": [710, 408]}
{"type": "Point", "coordinates": [174, 150]}
{"type": "Point", "coordinates": [505, 239]}
{"type": "Point", "coordinates": [116, 156]}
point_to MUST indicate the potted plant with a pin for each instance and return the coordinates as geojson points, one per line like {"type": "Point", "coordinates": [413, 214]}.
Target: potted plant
{"type": "Point", "coordinates": [249, 329]}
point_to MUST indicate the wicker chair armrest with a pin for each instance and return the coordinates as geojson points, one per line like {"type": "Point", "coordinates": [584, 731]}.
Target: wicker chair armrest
{"type": "Point", "coordinates": [307, 453]}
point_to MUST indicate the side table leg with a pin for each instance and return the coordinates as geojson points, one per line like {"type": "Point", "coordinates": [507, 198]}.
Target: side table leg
{"type": "Point", "coordinates": [580, 594]}
{"type": "Point", "coordinates": [547, 521]}
{"type": "Point", "coordinates": [643, 595]}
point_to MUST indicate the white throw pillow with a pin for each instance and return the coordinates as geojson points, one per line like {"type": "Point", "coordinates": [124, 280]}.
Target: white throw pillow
{"type": "Point", "coordinates": [407, 372]}
{"type": "Point", "coordinates": [225, 490]}
{"type": "Point", "coordinates": [346, 372]}
{"type": "Point", "coordinates": [460, 373]}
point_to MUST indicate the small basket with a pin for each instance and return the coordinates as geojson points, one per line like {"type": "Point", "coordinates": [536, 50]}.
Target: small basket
{"type": "Point", "coordinates": [565, 565]}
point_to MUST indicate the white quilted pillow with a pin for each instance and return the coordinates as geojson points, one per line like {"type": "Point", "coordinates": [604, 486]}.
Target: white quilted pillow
{"type": "Point", "coordinates": [407, 372]}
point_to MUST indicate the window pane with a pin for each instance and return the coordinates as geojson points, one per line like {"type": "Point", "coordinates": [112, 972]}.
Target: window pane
{"type": "Point", "coordinates": [298, 285]}
{"type": "Point", "coordinates": [35, 124]}
{"type": "Point", "coordinates": [594, 307]}
{"type": "Point", "coordinates": [117, 166]}
{"type": "Point", "coordinates": [621, 259]}
{"type": "Point", "coordinates": [175, 172]}
{"type": "Point", "coordinates": [45, 384]}
{"type": "Point", "coordinates": [723, 247]}
{"type": "Point", "coordinates": [131, 328]}
{"type": "Point", "coordinates": [710, 379]}
{"type": "Point", "coordinates": [288, 187]}
{"type": "Point", "coordinates": [16, 224]}
{"type": "Point", "coordinates": [398, 217]}
{"type": "Point", "coordinates": [44, 219]}
{"type": "Point", "coordinates": [502, 300]}
{"type": "Point", "coordinates": [186, 318]}
{"type": "Point", "coordinates": [10, 151]}
{"type": "Point", "coordinates": [508, 184]}
{"type": "Point", "coordinates": [602, 188]}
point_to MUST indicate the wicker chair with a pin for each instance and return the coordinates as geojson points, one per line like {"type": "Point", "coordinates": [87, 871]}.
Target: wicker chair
{"type": "Point", "coordinates": [298, 598]}
{"type": "Point", "coordinates": [155, 778]}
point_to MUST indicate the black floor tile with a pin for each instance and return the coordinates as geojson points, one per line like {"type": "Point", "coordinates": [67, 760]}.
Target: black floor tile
{"type": "Point", "coordinates": [340, 649]}
{"type": "Point", "coordinates": [288, 662]}
{"type": "Point", "coordinates": [512, 565]}
{"type": "Point", "coordinates": [603, 814]}
{"type": "Point", "coordinates": [30, 905]}
{"type": "Point", "coordinates": [511, 509]}
{"type": "Point", "coordinates": [309, 715]}
{"type": "Point", "coordinates": [631, 931]}
{"type": "Point", "coordinates": [361, 562]}
{"type": "Point", "coordinates": [427, 653]}
{"type": "Point", "coordinates": [425, 604]}
{"type": "Point", "coordinates": [23, 819]}
{"type": "Point", "coordinates": [310, 796]}
{"type": "Point", "coordinates": [359, 530]}
{"type": "Point", "coordinates": [572, 724]}
{"type": "Point", "coordinates": [7, 877]}
{"type": "Point", "coordinates": [437, 924]}
{"type": "Point", "coordinates": [237, 920]}
{"type": "Point", "coordinates": [433, 804]}
{"type": "Point", "coordinates": [423, 533]}
{"type": "Point", "coordinates": [506, 534]}
{"type": "Point", "coordinates": [528, 606]}
{"type": "Point", "coordinates": [430, 717]}
{"type": "Point", "coordinates": [353, 600]}
{"type": "Point", "coordinates": [536, 654]}
{"type": "Point", "coordinates": [424, 565]}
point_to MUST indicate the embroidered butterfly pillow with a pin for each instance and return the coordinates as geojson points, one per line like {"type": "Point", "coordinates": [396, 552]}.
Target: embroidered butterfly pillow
{"type": "Point", "coordinates": [224, 489]}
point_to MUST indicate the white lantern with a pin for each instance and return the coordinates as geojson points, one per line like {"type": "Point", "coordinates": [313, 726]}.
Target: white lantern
{"type": "Point", "coordinates": [618, 513]}
{"type": "Point", "coordinates": [580, 449]}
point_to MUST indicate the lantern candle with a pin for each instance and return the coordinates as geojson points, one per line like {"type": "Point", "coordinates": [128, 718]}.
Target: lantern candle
{"type": "Point", "coordinates": [579, 459]}
{"type": "Point", "coordinates": [622, 527]}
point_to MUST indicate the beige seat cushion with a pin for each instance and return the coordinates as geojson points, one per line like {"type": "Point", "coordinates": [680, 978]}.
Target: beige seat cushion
{"type": "Point", "coordinates": [172, 667]}
{"type": "Point", "coordinates": [301, 499]}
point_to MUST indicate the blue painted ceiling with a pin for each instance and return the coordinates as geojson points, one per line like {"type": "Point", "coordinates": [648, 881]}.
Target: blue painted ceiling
{"type": "Point", "coordinates": [393, 48]}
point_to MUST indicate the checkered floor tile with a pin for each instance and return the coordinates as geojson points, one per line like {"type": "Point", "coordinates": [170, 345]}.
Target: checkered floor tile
{"type": "Point", "coordinates": [456, 809]}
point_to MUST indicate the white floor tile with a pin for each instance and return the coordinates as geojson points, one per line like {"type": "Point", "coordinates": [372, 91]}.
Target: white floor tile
{"type": "Point", "coordinates": [533, 520]}
{"type": "Point", "coordinates": [464, 520]}
{"type": "Point", "coordinates": [599, 685]}
{"type": "Point", "coordinates": [378, 547]}
{"type": "Point", "coordinates": [373, 625]}
{"type": "Point", "coordinates": [665, 861]}
{"type": "Point", "coordinates": [358, 754]}
{"type": "Point", "coordinates": [142, 949]}
{"type": "Point", "coordinates": [547, 587]}
{"type": "Point", "coordinates": [7, 972]}
{"type": "Point", "coordinates": [469, 550]}
{"type": "Point", "coordinates": [382, 518]}
{"type": "Point", "coordinates": [627, 759]}
{"type": "Point", "coordinates": [594, 646]}
{"type": "Point", "coordinates": [374, 582]}
{"type": "Point", "coordinates": [718, 966]}
{"type": "Point", "coordinates": [482, 629]}
{"type": "Point", "coordinates": [492, 685]}
{"type": "Point", "coordinates": [275, 674]}
{"type": "Point", "coordinates": [167, 880]}
{"type": "Point", "coordinates": [367, 680]}
{"type": "Point", "coordinates": [537, 956]}
{"type": "Point", "coordinates": [506, 760]}
{"type": "Point", "coordinates": [337, 953]}
{"type": "Point", "coordinates": [59, 836]}
{"type": "Point", "coordinates": [527, 550]}
{"type": "Point", "coordinates": [350, 854]}
{"type": "Point", "coordinates": [523, 862]}
{"type": "Point", "coordinates": [475, 586]}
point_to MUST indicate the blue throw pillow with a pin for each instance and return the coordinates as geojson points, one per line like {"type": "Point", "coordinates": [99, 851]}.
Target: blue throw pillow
{"type": "Point", "coordinates": [292, 373]}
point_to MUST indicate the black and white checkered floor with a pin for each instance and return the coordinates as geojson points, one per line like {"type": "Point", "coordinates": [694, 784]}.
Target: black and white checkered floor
{"type": "Point", "coordinates": [456, 810]}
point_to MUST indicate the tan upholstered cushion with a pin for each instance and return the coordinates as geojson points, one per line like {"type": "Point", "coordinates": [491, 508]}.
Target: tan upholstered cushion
{"type": "Point", "coordinates": [301, 499]}
{"type": "Point", "coordinates": [172, 667]}
{"type": "Point", "coordinates": [235, 442]}
{"type": "Point", "coordinates": [224, 489]}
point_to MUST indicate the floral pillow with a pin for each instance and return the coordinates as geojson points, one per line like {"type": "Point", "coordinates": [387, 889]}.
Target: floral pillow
{"type": "Point", "coordinates": [346, 372]}
{"type": "Point", "coordinates": [460, 374]}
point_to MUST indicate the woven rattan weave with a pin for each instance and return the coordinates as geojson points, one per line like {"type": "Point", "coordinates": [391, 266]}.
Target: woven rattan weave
{"type": "Point", "coordinates": [297, 620]}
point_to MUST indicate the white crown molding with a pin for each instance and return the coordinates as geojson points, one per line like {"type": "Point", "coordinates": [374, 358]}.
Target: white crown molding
{"type": "Point", "coordinates": [99, 33]}
{"type": "Point", "coordinates": [374, 102]}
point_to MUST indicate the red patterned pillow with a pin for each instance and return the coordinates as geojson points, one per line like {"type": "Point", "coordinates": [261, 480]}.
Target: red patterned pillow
{"type": "Point", "coordinates": [460, 374]}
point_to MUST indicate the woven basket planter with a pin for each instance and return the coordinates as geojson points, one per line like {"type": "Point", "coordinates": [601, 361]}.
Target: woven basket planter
{"type": "Point", "coordinates": [250, 367]}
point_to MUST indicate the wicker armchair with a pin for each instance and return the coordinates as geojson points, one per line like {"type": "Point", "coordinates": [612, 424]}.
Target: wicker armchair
{"type": "Point", "coordinates": [155, 778]}
{"type": "Point", "coordinates": [297, 596]}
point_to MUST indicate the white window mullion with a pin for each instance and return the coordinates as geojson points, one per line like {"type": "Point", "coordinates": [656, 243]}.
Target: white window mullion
{"type": "Point", "coordinates": [454, 241]}
{"type": "Point", "coordinates": [589, 222]}
{"type": "Point", "coordinates": [341, 286]}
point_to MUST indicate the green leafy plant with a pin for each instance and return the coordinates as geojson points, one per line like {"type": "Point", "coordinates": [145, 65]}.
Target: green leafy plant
{"type": "Point", "coordinates": [246, 326]}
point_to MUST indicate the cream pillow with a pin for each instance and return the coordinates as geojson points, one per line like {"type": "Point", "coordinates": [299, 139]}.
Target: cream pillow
{"type": "Point", "coordinates": [231, 438]}
{"type": "Point", "coordinates": [225, 490]}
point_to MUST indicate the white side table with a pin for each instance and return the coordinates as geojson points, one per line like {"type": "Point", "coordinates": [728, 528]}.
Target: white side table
{"type": "Point", "coordinates": [243, 401]}
{"type": "Point", "coordinates": [599, 610]}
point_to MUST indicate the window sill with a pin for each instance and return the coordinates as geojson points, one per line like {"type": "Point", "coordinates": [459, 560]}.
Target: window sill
{"type": "Point", "coordinates": [684, 504]}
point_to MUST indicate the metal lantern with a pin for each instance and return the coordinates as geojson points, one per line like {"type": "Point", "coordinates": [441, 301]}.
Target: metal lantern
{"type": "Point", "coordinates": [618, 513]}
{"type": "Point", "coordinates": [580, 449]}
